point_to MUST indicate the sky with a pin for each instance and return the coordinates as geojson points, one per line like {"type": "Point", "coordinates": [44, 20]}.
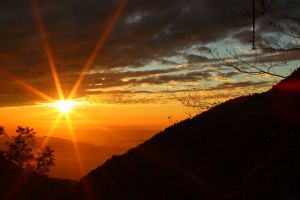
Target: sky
{"type": "Point", "coordinates": [128, 63]}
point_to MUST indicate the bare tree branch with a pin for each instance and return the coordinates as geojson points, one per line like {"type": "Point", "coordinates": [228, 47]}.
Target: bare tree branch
{"type": "Point", "coordinates": [249, 66]}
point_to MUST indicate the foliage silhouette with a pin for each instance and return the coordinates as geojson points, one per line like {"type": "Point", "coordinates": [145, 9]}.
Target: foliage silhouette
{"type": "Point", "coordinates": [45, 160]}
{"type": "Point", "coordinates": [2, 131]}
{"type": "Point", "coordinates": [21, 151]}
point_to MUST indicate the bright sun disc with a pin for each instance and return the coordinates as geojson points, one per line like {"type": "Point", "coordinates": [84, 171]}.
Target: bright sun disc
{"type": "Point", "coordinates": [64, 106]}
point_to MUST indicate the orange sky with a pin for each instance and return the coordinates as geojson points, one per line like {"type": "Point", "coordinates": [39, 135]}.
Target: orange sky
{"type": "Point", "coordinates": [108, 125]}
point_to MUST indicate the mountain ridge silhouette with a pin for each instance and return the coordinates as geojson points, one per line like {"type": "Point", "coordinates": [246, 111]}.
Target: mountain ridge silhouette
{"type": "Point", "coordinates": [245, 148]}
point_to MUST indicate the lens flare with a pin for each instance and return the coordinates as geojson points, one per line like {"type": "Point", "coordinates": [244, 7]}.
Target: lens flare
{"type": "Point", "coordinates": [64, 106]}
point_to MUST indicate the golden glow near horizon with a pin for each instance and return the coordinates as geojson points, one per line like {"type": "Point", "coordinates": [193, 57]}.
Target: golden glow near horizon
{"type": "Point", "coordinates": [64, 106]}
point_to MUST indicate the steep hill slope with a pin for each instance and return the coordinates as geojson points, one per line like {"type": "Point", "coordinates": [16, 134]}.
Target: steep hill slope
{"type": "Point", "coordinates": [245, 148]}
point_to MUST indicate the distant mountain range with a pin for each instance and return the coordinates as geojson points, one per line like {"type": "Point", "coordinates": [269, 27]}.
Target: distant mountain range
{"type": "Point", "coordinates": [245, 148]}
{"type": "Point", "coordinates": [66, 163]}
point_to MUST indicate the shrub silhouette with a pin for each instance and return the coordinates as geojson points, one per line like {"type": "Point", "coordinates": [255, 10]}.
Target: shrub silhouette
{"type": "Point", "coordinates": [21, 151]}
{"type": "Point", "coordinates": [45, 161]}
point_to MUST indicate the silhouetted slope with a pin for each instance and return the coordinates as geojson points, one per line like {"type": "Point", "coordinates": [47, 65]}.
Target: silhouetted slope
{"type": "Point", "coordinates": [245, 148]}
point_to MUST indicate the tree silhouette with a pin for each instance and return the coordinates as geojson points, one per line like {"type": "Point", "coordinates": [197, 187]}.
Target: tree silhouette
{"type": "Point", "coordinates": [196, 103]}
{"type": "Point", "coordinates": [45, 160]}
{"type": "Point", "coordinates": [20, 150]}
{"type": "Point", "coordinates": [2, 131]}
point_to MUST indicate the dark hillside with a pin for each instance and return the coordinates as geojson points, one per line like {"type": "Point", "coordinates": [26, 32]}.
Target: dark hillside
{"type": "Point", "coordinates": [245, 148]}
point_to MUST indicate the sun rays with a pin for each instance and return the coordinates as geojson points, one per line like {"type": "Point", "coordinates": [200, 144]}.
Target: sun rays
{"type": "Point", "coordinates": [103, 38]}
{"type": "Point", "coordinates": [65, 104]}
{"type": "Point", "coordinates": [42, 31]}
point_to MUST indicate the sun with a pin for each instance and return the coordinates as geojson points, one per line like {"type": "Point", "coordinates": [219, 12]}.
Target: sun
{"type": "Point", "coordinates": [64, 106]}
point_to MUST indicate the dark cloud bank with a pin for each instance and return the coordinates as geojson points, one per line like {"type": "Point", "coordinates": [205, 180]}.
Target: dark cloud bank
{"type": "Point", "coordinates": [146, 31]}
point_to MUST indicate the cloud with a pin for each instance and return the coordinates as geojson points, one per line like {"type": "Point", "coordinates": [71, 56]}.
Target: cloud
{"type": "Point", "coordinates": [116, 79]}
{"type": "Point", "coordinates": [196, 59]}
{"type": "Point", "coordinates": [244, 84]}
{"type": "Point", "coordinates": [146, 31]}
